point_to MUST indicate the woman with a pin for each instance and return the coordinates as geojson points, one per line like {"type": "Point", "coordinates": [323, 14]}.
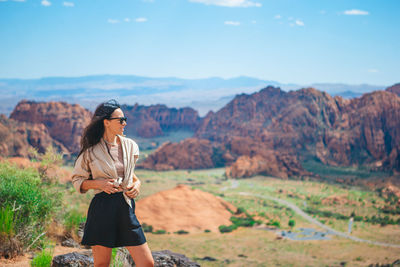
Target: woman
{"type": "Point", "coordinates": [105, 164]}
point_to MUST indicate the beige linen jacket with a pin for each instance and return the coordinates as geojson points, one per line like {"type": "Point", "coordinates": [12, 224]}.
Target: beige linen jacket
{"type": "Point", "coordinates": [96, 163]}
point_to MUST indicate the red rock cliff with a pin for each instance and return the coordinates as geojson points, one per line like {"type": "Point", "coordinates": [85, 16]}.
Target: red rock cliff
{"type": "Point", "coordinates": [150, 121]}
{"type": "Point", "coordinates": [64, 122]}
{"type": "Point", "coordinates": [270, 131]}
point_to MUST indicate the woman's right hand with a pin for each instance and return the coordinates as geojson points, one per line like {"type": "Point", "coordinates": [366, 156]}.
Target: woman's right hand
{"type": "Point", "coordinates": [108, 186]}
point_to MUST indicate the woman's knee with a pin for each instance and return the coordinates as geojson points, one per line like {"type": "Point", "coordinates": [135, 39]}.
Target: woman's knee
{"type": "Point", "coordinates": [145, 261]}
{"type": "Point", "coordinates": [150, 262]}
{"type": "Point", "coordinates": [101, 263]}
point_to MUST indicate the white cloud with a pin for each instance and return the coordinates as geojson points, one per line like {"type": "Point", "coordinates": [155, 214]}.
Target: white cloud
{"type": "Point", "coordinates": [46, 3]}
{"type": "Point", "coordinates": [373, 71]}
{"type": "Point", "coordinates": [141, 20]}
{"type": "Point", "coordinates": [232, 23]}
{"type": "Point", "coordinates": [355, 12]}
{"type": "Point", "coordinates": [3, 0]}
{"type": "Point", "coordinates": [228, 3]}
{"type": "Point", "coordinates": [127, 19]}
{"type": "Point", "coordinates": [113, 21]}
{"type": "Point", "coordinates": [277, 16]}
{"type": "Point", "coordinates": [68, 4]}
{"type": "Point", "coordinates": [299, 22]}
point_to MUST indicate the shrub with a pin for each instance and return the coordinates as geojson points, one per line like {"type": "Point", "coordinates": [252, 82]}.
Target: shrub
{"type": "Point", "coordinates": [147, 228]}
{"type": "Point", "coordinates": [358, 218]}
{"type": "Point", "coordinates": [245, 222]}
{"type": "Point", "coordinates": [181, 232]}
{"type": "Point", "coordinates": [43, 259]}
{"type": "Point", "coordinates": [160, 232]}
{"type": "Point", "coordinates": [275, 223]}
{"type": "Point", "coordinates": [207, 231]}
{"type": "Point", "coordinates": [292, 223]}
{"type": "Point", "coordinates": [47, 160]}
{"type": "Point", "coordinates": [33, 203]}
{"type": "Point", "coordinates": [7, 222]}
{"type": "Point", "coordinates": [73, 219]}
{"type": "Point", "coordinates": [227, 229]}
{"type": "Point", "coordinates": [240, 210]}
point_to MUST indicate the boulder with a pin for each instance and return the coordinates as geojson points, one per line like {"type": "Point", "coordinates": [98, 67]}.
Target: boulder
{"type": "Point", "coordinates": [73, 259]}
{"type": "Point", "coordinates": [163, 258]}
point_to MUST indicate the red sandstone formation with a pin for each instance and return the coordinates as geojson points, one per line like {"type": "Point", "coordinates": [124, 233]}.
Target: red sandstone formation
{"type": "Point", "coordinates": [64, 122]}
{"type": "Point", "coordinates": [183, 208]}
{"type": "Point", "coordinates": [16, 138]}
{"type": "Point", "coordinates": [271, 131]}
{"type": "Point", "coordinates": [394, 89]}
{"type": "Point", "coordinates": [190, 153]}
{"type": "Point", "coordinates": [150, 121]}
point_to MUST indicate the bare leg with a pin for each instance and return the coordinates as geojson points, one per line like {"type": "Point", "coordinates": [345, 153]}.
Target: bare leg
{"type": "Point", "coordinates": [101, 256]}
{"type": "Point", "coordinates": [141, 255]}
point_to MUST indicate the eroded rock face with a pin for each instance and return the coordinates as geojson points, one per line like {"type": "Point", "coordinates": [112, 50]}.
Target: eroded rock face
{"type": "Point", "coordinates": [16, 138]}
{"type": "Point", "coordinates": [191, 153]}
{"type": "Point", "coordinates": [368, 133]}
{"type": "Point", "coordinates": [271, 131]}
{"type": "Point", "coordinates": [64, 122]}
{"type": "Point", "coordinates": [154, 120]}
{"type": "Point", "coordinates": [394, 89]}
{"type": "Point", "coordinates": [270, 163]}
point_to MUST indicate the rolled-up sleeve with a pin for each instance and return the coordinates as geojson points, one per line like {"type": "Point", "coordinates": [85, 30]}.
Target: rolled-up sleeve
{"type": "Point", "coordinates": [135, 152]}
{"type": "Point", "coordinates": [80, 173]}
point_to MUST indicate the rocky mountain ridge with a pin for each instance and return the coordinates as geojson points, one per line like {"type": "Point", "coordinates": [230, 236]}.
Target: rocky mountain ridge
{"type": "Point", "coordinates": [60, 124]}
{"type": "Point", "coordinates": [271, 131]}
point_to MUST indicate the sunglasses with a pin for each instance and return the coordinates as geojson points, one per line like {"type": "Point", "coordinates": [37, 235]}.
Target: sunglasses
{"type": "Point", "coordinates": [121, 119]}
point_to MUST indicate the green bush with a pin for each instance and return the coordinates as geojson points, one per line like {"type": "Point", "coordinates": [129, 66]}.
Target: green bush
{"type": "Point", "coordinates": [181, 232]}
{"type": "Point", "coordinates": [292, 223]}
{"type": "Point", "coordinates": [207, 231]}
{"type": "Point", "coordinates": [7, 222]}
{"type": "Point", "coordinates": [358, 218]}
{"type": "Point", "coordinates": [72, 220]}
{"type": "Point", "coordinates": [245, 222]}
{"type": "Point", "coordinates": [33, 202]}
{"type": "Point", "coordinates": [275, 223]}
{"type": "Point", "coordinates": [147, 228]}
{"type": "Point", "coordinates": [43, 259]}
{"type": "Point", "coordinates": [240, 210]}
{"type": "Point", "coordinates": [160, 232]}
{"type": "Point", "coordinates": [227, 229]}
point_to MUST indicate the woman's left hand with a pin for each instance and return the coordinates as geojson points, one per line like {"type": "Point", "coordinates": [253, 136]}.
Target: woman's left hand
{"type": "Point", "coordinates": [133, 190]}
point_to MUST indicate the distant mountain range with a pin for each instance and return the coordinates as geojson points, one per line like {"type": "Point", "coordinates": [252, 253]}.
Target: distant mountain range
{"type": "Point", "coordinates": [201, 94]}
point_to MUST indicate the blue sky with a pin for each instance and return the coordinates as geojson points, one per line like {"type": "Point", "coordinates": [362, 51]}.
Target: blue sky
{"type": "Point", "coordinates": [287, 41]}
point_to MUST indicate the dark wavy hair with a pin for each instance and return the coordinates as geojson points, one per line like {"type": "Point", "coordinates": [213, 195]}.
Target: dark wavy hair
{"type": "Point", "coordinates": [95, 130]}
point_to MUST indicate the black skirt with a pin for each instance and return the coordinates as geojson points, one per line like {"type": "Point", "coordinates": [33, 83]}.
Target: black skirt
{"type": "Point", "coordinates": [111, 222]}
